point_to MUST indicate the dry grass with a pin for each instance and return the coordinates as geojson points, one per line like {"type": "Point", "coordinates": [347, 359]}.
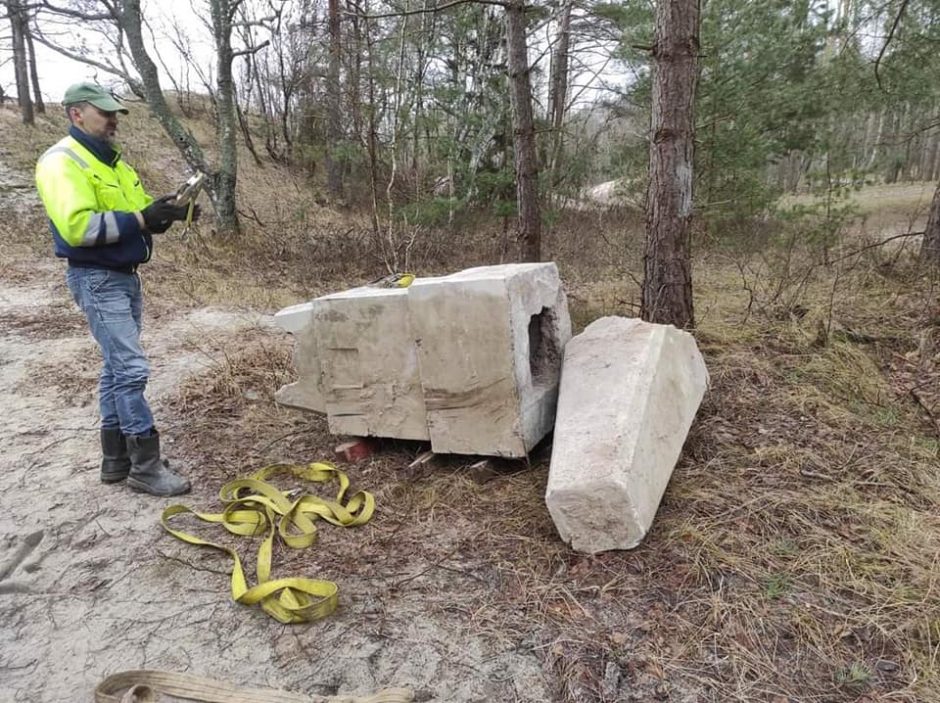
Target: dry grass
{"type": "Point", "coordinates": [901, 197]}
{"type": "Point", "coordinates": [882, 210]}
{"type": "Point", "coordinates": [49, 322]}
{"type": "Point", "coordinates": [796, 555]}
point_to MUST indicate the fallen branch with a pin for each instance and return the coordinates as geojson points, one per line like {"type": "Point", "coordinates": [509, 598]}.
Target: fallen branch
{"type": "Point", "coordinates": [920, 401]}
{"type": "Point", "coordinates": [876, 245]}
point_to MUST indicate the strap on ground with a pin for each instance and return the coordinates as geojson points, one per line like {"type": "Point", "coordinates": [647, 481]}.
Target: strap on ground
{"type": "Point", "coordinates": [146, 687]}
{"type": "Point", "coordinates": [252, 507]}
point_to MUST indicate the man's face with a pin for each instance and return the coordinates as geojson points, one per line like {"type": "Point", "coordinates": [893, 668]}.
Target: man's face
{"type": "Point", "coordinates": [95, 122]}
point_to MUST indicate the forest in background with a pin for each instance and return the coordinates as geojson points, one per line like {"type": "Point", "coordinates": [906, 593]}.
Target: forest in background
{"type": "Point", "coordinates": [405, 108]}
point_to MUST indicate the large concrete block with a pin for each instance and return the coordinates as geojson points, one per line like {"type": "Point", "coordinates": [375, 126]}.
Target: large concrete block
{"type": "Point", "coordinates": [306, 392]}
{"type": "Point", "coordinates": [629, 393]}
{"type": "Point", "coordinates": [368, 361]}
{"type": "Point", "coordinates": [490, 341]}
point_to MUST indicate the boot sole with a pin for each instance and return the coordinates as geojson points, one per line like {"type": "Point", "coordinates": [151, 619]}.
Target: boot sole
{"type": "Point", "coordinates": [141, 487]}
{"type": "Point", "coordinates": [113, 478]}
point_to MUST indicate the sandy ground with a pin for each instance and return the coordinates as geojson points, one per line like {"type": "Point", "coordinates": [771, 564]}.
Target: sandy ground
{"type": "Point", "coordinates": [90, 585]}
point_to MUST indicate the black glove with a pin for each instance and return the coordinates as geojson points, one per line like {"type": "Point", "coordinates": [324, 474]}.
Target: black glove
{"type": "Point", "coordinates": [161, 213]}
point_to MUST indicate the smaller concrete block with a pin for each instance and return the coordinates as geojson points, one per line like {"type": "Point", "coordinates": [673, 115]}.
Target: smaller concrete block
{"type": "Point", "coordinates": [306, 392]}
{"type": "Point", "coordinates": [629, 392]}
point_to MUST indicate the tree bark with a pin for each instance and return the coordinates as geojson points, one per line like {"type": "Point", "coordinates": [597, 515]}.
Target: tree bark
{"type": "Point", "coordinates": [130, 21]}
{"type": "Point", "coordinates": [222, 12]}
{"type": "Point", "coordinates": [334, 127]}
{"type": "Point", "coordinates": [930, 247]}
{"type": "Point", "coordinates": [558, 93]}
{"type": "Point", "coordinates": [372, 138]}
{"type": "Point", "coordinates": [33, 71]}
{"type": "Point", "coordinates": [667, 282]}
{"type": "Point", "coordinates": [523, 124]}
{"type": "Point", "coordinates": [20, 59]}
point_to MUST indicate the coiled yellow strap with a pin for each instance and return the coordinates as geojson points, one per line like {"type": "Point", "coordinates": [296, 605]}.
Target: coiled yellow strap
{"type": "Point", "coordinates": [254, 506]}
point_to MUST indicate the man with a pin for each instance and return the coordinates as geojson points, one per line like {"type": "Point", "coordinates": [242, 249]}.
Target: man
{"type": "Point", "coordinates": [102, 221]}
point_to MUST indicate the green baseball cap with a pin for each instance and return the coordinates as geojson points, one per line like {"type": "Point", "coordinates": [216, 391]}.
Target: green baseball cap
{"type": "Point", "coordinates": [94, 94]}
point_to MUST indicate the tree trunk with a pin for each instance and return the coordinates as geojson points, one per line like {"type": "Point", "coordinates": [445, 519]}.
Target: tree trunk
{"type": "Point", "coordinates": [558, 93]}
{"type": "Point", "coordinates": [934, 172]}
{"type": "Point", "coordinates": [33, 72]}
{"type": "Point", "coordinates": [130, 20]}
{"type": "Point", "coordinates": [874, 145]}
{"type": "Point", "coordinates": [930, 248]}
{"type": "Point", "coordinates": [667, 282]}
{"type": "Point", "coordinates": [20, 59]}
{"type": "Point", "coordinates": [372, 140]}
{"type": "Point", "coordinates": [225, 178]}
{"type": "Point", "coordinates": [334, 127]}
{"type": "Point", "coordinates": [246, 134]}
{"type": "Point", "coordinates": [526, 160]}
{"type": "Point", "coordinates": [354, 73]}
{"type": "Point", "coordinates": [427, 24]}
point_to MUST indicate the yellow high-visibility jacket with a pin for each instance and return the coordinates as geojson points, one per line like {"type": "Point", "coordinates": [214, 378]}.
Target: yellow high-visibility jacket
{"type": "Point", "coordinates": [91, 204]}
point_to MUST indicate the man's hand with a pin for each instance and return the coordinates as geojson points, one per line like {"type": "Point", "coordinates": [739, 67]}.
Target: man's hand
{"type": "Point", "coordinates": [161, 213]}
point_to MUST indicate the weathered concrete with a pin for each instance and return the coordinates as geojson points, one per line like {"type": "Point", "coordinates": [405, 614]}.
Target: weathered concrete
{"type": "Point", "coordinates": [470, 361]}
{"type": "Point", "coordinates": [369, 365]}
{"type": "Point", "coordinates": [306, 392]}
{"type": "Point", "coordinates": [356, 361]}
{"type": "Point", "coordinates": [490, 341]}
{"type": "Point", "coordinates": [629, 393]}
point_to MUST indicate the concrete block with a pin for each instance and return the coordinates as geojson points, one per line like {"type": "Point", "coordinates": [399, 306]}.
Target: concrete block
{"type": "Point", "coordinates": [629, 392]}
{"type": "Point", "coordinates": [369, 373]}
{"type": "Point", "coordinates": [306, 392]}
{"type": "Point", "coordinates": [490, 341]}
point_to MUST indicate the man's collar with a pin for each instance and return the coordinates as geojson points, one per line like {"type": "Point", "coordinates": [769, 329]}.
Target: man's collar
{"type": "Point", "coordinates": [103, 151]}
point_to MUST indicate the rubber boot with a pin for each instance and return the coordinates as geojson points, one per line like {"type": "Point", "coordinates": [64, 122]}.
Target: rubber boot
{"type": "Point", "coordinates": [149, 473]}
{"type": "Point", "coordinates": [115, 463]}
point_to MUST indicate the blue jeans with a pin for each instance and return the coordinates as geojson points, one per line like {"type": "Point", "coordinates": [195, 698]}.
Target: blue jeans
{"type": "Point", "coordinates": [112, 303]}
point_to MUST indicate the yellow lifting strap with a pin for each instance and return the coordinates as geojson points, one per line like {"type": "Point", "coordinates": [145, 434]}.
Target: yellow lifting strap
{"type": "Point", "coordinates": [394, 280]}
{"type": "Point", "coordinates": [146, 687]}
{"type": "Point", "coordinates": [254, 506]}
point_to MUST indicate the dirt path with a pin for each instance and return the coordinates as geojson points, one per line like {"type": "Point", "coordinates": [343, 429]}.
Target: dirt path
{"type": "Point", "coordinates": [90, 585]}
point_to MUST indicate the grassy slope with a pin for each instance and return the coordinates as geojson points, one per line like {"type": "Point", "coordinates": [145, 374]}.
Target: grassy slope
{"type": "Point", "coordinates": [795, 556]}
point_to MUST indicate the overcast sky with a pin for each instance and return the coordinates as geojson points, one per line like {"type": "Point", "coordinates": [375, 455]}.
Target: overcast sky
{"type": "Point", "coordinates": [57, 72]}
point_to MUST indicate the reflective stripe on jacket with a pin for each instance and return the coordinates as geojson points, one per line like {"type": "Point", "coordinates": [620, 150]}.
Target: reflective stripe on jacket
{"type": "Point", "coordinates": [91, 207]}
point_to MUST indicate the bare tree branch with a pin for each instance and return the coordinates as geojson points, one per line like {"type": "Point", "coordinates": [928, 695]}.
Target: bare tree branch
{"type": "Point", "coordinates": [251, 50]}
{"type": "Point", "coordinates": [438, 8]}
{"type": "Point", "coordinates": [82, 58]}
{"type": "Point", "coordinates": [884, 48]}
{"type": "Point", "coordinates": [109, 16]}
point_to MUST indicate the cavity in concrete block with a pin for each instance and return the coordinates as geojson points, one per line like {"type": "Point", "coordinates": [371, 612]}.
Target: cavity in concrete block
{"type": "Point", "coordinates": [490, 342]}
{"type": "Point", "coordinates": [306, 392]}
{"type": "Point", "coordinates": [629, 393]}
{"type": "Point", "coordinates": [368, 364]}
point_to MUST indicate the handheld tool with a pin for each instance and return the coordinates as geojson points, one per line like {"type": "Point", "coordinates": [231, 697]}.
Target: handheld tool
{"type": "Point", "coordinates": [186, 195]}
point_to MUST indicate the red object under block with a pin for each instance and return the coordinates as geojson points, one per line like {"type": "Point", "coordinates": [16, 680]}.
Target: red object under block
{"type": "Point", "coordinates": [354, 451]}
